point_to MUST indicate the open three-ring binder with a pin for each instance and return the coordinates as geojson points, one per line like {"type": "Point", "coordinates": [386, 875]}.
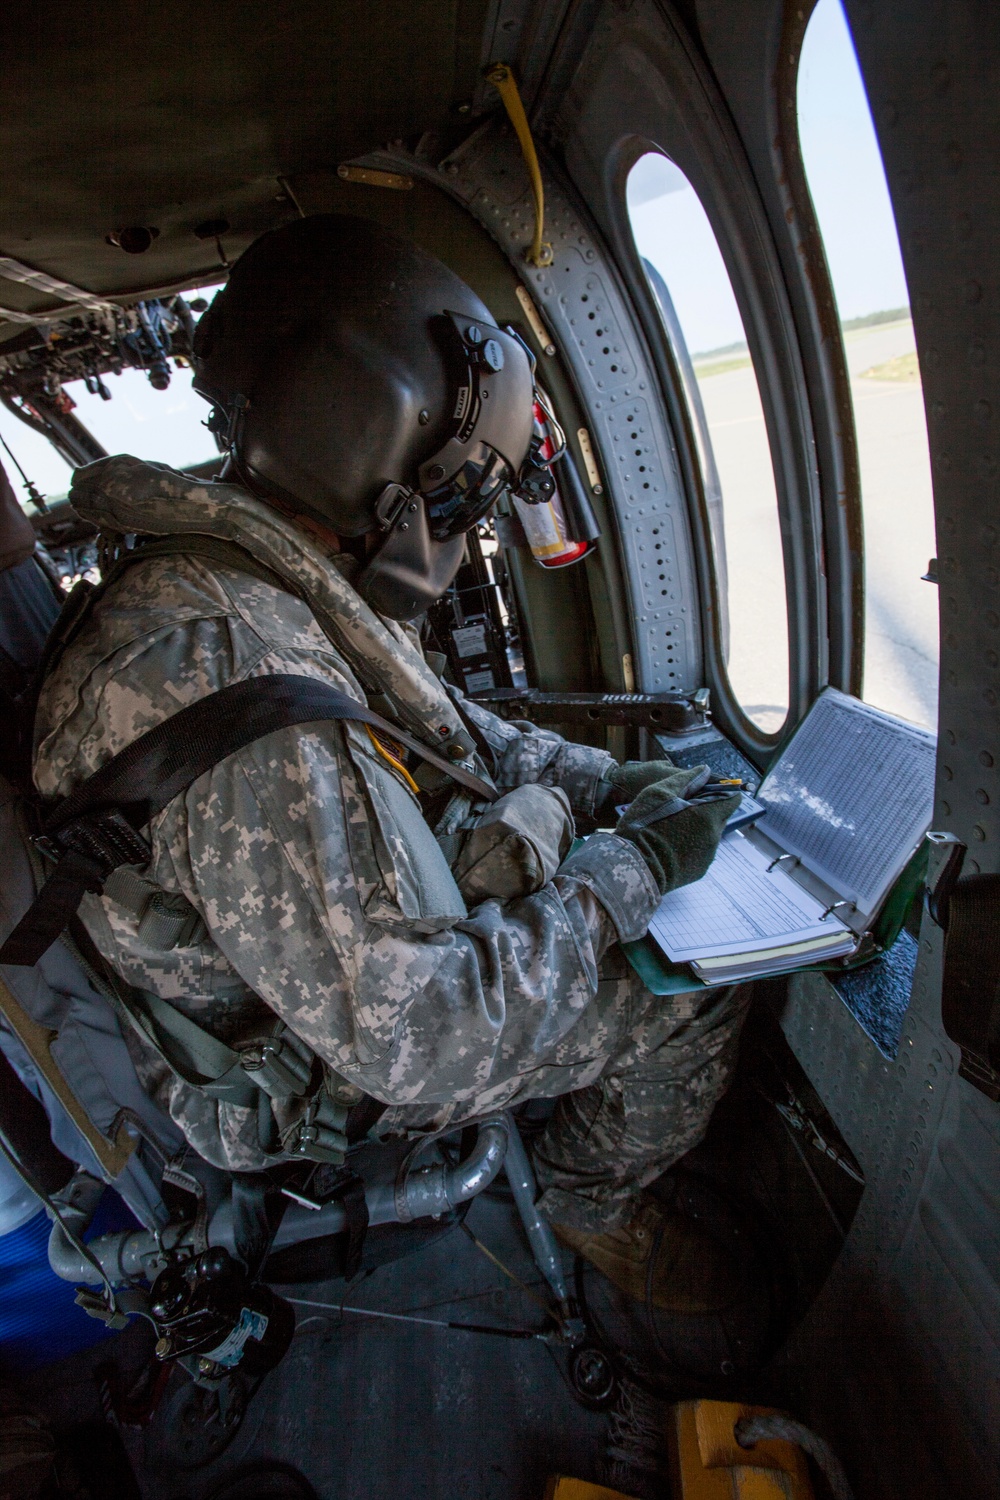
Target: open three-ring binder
{"type": "Point", "coordinates": [847, 802]}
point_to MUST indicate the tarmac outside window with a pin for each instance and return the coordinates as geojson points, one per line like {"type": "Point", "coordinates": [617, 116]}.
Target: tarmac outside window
{"type": "Point", "coordinates": [847, 182]}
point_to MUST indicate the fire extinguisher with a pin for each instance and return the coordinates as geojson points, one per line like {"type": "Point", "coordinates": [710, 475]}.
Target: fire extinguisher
{"type": "Point", "coordinates": [558, 520]}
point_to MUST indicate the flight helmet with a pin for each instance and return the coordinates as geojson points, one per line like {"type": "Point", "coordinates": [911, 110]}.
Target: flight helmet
{"type": "Point", "coordinates": [357, 381]}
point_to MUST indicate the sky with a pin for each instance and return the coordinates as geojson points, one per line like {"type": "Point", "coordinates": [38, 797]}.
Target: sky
{"type": "Point", "coordinates": [846, 179]}
{"type": "Point", "coordinates": [848, 187]}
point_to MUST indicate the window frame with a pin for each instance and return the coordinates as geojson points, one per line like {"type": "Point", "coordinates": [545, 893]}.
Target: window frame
{"type": "Point", "coordinates": [650, 89]}
{"type": "Point", "coordinates": [758, 291]}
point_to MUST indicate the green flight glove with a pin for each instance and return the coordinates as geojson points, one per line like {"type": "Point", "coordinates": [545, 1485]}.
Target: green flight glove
{"type": "Point", "coordinates": [677, 839]}
{"type": "Point", "coordinates": [625, 782]}
{"type": "Point", "coordinates": [636, 775]}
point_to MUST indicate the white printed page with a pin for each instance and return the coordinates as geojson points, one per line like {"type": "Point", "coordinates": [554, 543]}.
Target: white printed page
{"type": "Point", "coordinates": [852, 795]}
{"type": "Point", "coordinates": [738, 907]}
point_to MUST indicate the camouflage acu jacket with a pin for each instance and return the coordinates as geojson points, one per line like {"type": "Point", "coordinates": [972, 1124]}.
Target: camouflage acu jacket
{"type": "Point", "coordinates": [324, 895]}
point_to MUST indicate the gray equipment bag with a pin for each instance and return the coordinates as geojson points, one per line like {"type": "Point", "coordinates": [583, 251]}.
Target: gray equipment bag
{"type": "Point", "coordinates": [62, 1038]}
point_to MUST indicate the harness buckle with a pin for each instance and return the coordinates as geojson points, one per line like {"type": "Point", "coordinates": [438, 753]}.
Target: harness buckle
{"type": "Point", "coordinates": [319, 1133]}
{"type": "Point", "coordinates": [47, 845]}
{"type": "Point", "coordinates": [107, 839]}
{"type": "Point", "coordinates": [281, 1065]}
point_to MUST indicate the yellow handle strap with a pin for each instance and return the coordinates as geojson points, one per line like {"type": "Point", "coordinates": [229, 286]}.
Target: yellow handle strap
{"type": "Point", "coordinates": [397, 765]}
{"type": "Point", "coordinates": [539, 252]}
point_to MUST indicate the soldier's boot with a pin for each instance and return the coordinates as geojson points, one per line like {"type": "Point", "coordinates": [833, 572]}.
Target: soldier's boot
{"type": "Point", "coordinates": [691, 1273]}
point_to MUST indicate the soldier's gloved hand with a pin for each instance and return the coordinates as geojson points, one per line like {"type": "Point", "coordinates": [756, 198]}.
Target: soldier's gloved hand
{"type": "Point", "coordinates": [677, 839]}
{"type": "Point", "coordinates": [623, 783]}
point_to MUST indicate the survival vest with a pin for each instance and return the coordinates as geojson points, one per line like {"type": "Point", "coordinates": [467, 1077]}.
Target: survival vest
{"type": "Point", "coordinates": [95, 842]}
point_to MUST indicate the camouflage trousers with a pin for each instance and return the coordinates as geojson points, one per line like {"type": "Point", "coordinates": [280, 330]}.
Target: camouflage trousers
{"type": "Point", "coordinates": [673, 1061]}
{"type": "Point", "coordinates": [636, 1078]}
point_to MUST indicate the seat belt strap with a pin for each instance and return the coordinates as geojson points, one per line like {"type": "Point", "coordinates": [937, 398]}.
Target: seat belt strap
{"type": "Point", "coordinates": [95, 829]}
{"type": "Point", "coordinates": [52, 908]}
{"type": "Point", "coordinates": [258, 1208]}
{"type": "Point", "coordinates": [144, 777]}
{"type": "Point", "coordinates": [363, 1117]}
{"type": "Point", "coordinates": [355, 1205]}
{"type": "Point", "coordinates": [195, 1055]}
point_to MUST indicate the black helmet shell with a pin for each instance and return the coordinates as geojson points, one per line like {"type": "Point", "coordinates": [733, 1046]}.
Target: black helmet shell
{"type": "Point", "coordinates": [331, 328]}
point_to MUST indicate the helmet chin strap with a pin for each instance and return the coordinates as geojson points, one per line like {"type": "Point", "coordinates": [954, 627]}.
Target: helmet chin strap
{"type": "Point", "coordinates": [225, 422]}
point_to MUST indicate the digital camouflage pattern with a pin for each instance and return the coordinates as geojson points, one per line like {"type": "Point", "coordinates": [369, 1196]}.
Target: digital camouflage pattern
{"type": "Point", "coordinates": [652, 1101]}
{"type": "Point", "coordinates": [516, 846]}
{"type": "Point", "coordinates": [325, 896]}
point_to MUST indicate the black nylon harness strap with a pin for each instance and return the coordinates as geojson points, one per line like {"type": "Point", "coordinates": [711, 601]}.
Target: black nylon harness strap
{"type": "Point", "coordinates": [148, 774]}
{"type": "Point", "coordinates": [90, 830]}
{"type": "Point", "coordinates": [355, 1204]}
{"type": "Point", "coordinates": [52, 908]}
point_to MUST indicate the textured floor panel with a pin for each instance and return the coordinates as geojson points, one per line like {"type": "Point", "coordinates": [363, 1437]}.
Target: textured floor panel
{"type": "Point", "coordinates": [376, 1409]}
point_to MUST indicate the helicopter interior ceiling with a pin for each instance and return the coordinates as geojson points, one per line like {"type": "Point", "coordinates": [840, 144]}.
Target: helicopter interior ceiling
{"type": "Point", "coordinates": [196, 131]}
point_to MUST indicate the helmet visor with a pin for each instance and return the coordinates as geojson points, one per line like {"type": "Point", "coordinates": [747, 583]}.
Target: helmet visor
{"type": "Point", "coordinates": [466, 497]}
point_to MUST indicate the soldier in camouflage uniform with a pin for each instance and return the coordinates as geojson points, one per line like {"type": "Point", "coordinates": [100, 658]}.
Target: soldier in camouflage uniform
{"type": "Point", "coordinates": [445, 971]}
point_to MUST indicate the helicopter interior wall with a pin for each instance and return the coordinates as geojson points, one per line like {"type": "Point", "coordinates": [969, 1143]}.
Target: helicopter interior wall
{"type": "Point", "coordinates": [918, 1280]}
{"type": "Point", "coordinates": [930, 1277]}
{"type": "Point", "coordinates": [645, 57]}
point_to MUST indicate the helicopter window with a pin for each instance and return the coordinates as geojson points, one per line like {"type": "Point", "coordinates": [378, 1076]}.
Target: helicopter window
{"type": "Point", "coordinates": [27, 454]}
{"type": "Point", "coordinates": [166, 426]}
{"type": "Point", "coordinates": [133, 416]}
{"type": "Point", "coordinates": [848, 187]}
{"type": "Point", "coordinates": [691, 285]}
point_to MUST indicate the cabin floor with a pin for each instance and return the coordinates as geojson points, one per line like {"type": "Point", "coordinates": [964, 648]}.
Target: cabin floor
{"type": "Point", "coordinates": [375, 1407]}
{"type": "Point", "coordinates": [365, 1406]}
